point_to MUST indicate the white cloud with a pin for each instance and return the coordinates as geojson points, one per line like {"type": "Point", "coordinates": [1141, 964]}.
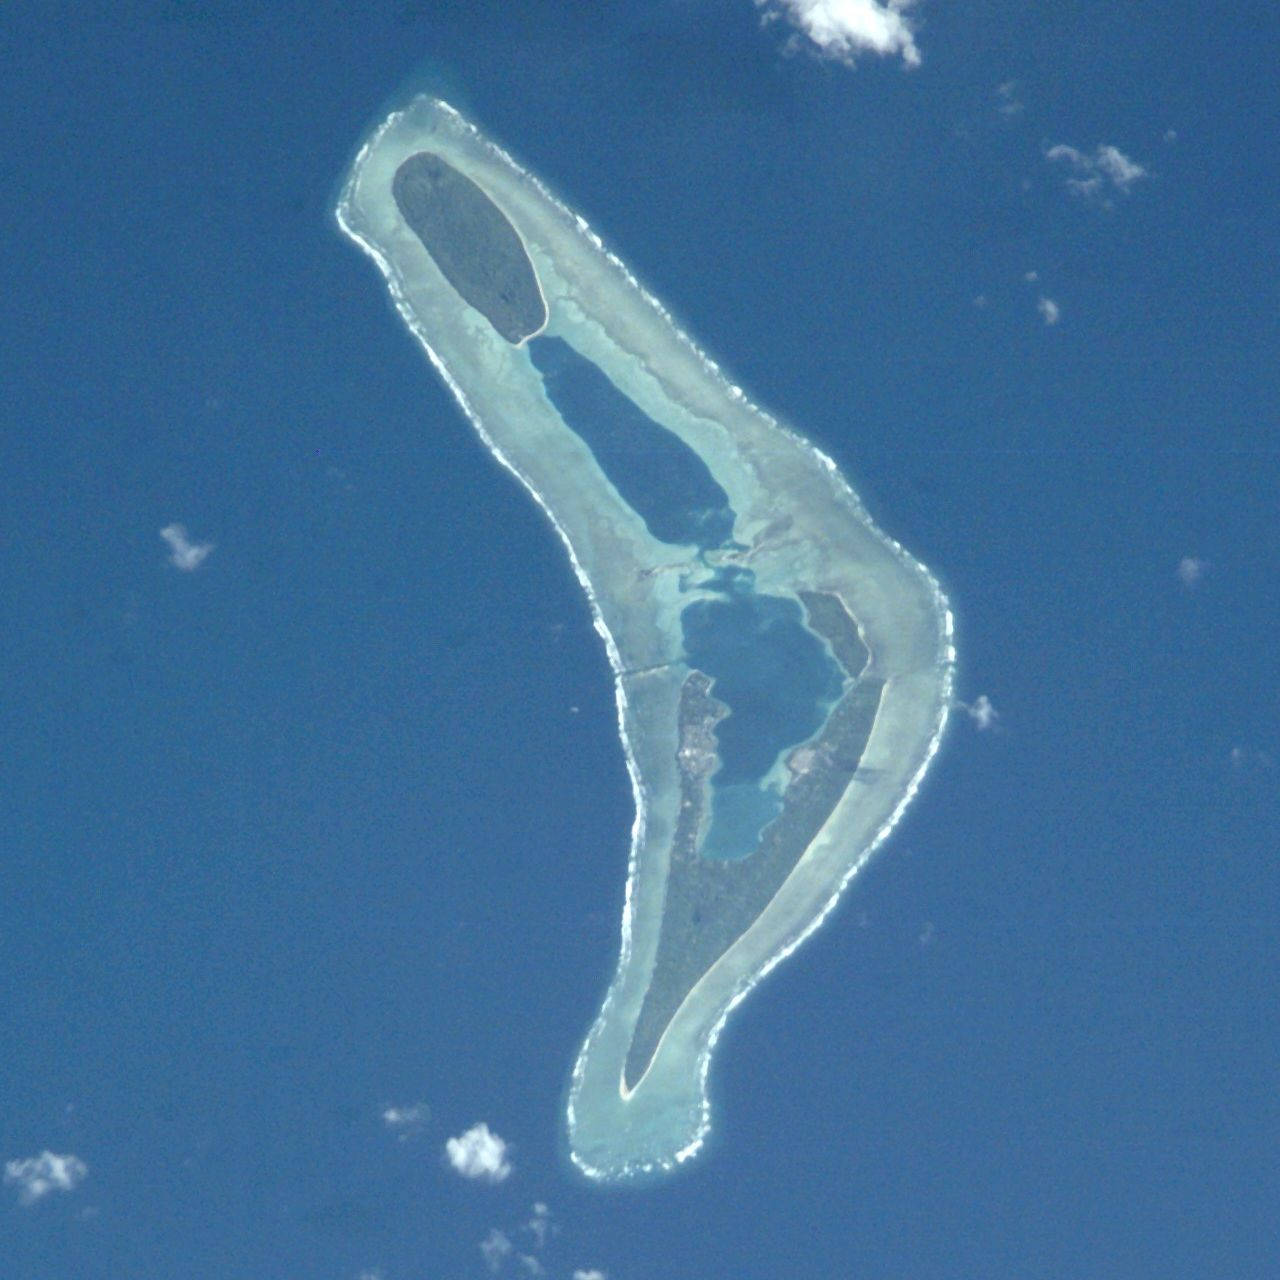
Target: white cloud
{"type": "Point", "coordinates": [1247, 758]}
{"type": "Point", "coordinates": [593, 1274]}
{"type": "Point", "coordinates": [1078, 161]}
{"type": "Point", "coordinates": [479, 1153]}
{"type": "Point", "coordinates": [1108, 168]}
{"type": "Point", "coordinates": [981, 711]}
{"type": "Point", "coordinates": [1007, 93]}
{"type": "Point", "coordinates": [1122, 171]}
{"type": "Point", "coordinates": [495, 1249]}
{"type": "Point", "coordinates": [183, 553]}
{"type": "Point", "coordinates": [1191, 569]}
{"type": "Point", "coordinates": [37, 1176]}
{"type": "Point", "coordinates": [406, 1122]}
{"type": "Point", "coordinates": [843, 29]}
{"type": "Point", "coordinates": [1049, 310]}
{"type": "Point", "coordinates": [540, 1226]}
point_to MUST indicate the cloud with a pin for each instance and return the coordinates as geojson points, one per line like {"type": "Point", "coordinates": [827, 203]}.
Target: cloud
{"type": "Point", "coordinates": [1122, 171]}
{"type": "Point", "coordinates": [1007, 95]}
{"type": "Point", "coordinates": [498, 1247]}
{"type": "Point", "coordinates": [479, 1153]}
{"type": "Point", "coordinates": [1107, 169]}
{"type": "Point", "coordinates": [540, 1226]}
{"type": "Point", "coordinates": [593, 1274]}
{"type": "Point", "coordinates": [39, 1175]}
{"type": "Point", "coordinates": [980, 711]}
{"type": "Point", "coordinates": [843, 29]}
{"type": "Point", "coordinates": [407, 1122]}
{"type": "Point", "coordinates": [495, 1249]}
{"type": "Point", "coordinates": [183, 553]}
{"type": "Point", "coordinates": [1191, 569]}
{"type": "Point", "coordinates": [1248, 758]}
{"type": "Point", "coordinates": [1049, 310]}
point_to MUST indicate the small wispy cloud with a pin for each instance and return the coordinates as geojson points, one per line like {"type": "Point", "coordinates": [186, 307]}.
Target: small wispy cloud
{"type": "Point", "coordinates": [498, 1248]}
{"type": "Point", "coordinates": [540, 1225]}
{"type": "Point", "coordinates": [1007, 103]}
{"type": "Point", "coordinates": [1250, 759]}
{"type": "Point", "coordinates": [1096, 174]}
{"type": "Point", "coordinates": [38, 1176]}
{"type": "Point", "coordinates": [479, 1153]}
{"type": "Point", "coordinates": [495, 1249]}
{"type": "Point", "coordinates": [1049, 310]}
{"type": "Point", "coordinates": [183, 553]}
{"type": "Point", "coordinates": [593, 1274]}
{"type": "Point", "coordinates": [845, 29]}
{"type": "Point", "coordinates": [1191, 569]}
{"type": "Point", "coordinates": [407, 1122]}
{"type": "Point", "coordinates": [980, 711]}
{"type": "Point", "coordinates": [1117, 166]}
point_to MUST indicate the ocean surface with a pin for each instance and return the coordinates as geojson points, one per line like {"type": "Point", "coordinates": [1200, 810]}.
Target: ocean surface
{"type": "Point", "coordinates": [313, 818]}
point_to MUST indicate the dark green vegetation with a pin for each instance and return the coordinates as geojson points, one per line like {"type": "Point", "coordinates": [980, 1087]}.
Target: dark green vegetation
{"type": "Point", "coordinates": [710, 904]}
{"type": "Point", "coordinates": [472, 242]}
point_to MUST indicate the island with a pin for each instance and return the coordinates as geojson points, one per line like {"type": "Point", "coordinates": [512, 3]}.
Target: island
{"type": "Point", "coordinates": [782, 668]}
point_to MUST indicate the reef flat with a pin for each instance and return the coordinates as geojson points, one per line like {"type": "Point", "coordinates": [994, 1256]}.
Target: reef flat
{"type": "Point", "coordinates": [782, 668]}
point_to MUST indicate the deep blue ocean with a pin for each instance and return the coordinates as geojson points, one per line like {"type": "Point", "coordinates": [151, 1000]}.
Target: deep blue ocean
{"type": "Point", "coordinates": [338, 821]}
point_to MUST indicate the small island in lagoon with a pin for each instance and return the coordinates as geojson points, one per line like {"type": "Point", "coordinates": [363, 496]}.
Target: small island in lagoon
{"type": "Point", "coordinates": [783, 669]}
